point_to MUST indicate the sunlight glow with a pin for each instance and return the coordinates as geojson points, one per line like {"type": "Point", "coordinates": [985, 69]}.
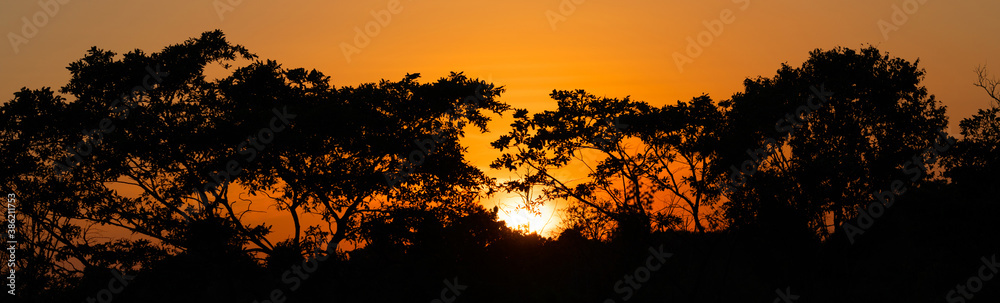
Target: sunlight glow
{"type": "Point", "coordinates": [524, 220]}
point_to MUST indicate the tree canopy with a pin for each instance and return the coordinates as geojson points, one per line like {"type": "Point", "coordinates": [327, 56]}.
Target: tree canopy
{"type": "Point", "coordinates": [377, 183]}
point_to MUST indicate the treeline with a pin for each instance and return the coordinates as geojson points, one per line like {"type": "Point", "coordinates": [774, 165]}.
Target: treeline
{"type": "Point", "coordinates": [832, 181]}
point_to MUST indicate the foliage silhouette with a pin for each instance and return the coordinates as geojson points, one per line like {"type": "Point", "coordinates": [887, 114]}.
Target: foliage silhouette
{"type": "Point", "coordinates": [842, 152]}
{"type": "Point", "coordinates": [328, 158]}
{"type": "Point", "coordinates": [336, 153]}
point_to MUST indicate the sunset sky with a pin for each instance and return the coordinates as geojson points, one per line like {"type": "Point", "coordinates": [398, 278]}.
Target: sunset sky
{"type": "Point", "coordinates": [612, 49]}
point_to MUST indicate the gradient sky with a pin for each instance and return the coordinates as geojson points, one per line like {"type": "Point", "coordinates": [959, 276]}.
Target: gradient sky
{"type": "Point", "coordinates": [612, 49]}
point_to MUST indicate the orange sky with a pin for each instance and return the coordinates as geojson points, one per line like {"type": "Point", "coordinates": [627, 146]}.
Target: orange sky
{"type": "Point", "coordinates": [610, 48]}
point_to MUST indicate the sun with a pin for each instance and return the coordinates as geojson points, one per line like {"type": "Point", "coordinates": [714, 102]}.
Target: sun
{"type": "Point", "coordinates": [523, 220]}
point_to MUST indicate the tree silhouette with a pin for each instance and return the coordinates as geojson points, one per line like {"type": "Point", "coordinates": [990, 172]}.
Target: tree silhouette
{"type": "Point", "coordinates": [144, 164]}
{"type": "Point", "coordinates": [638, 151]}
{"type": "Point", "coordinates": [847, 123]}
{"type": "Point", "coordinates": [974, 162]}
{"type": "Point", "coordinates": [188, 144]}
{"type": "Point", "coordinates": [685, 135]}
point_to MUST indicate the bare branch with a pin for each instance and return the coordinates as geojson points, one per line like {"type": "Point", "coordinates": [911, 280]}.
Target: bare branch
{"type": "Point", "coordinates": [988, 84]}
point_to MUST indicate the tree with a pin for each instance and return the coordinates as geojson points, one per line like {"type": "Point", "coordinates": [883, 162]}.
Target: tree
{"type": "Point", "coordinates": [976, 158]}
{"type": "Point", "coordinates": [639, 152]}
{"type": "Point", "coordinates": [70, 156]}
{"type": "Point", "coordinates": [685, 135]}
{"type": "Point", "coordinates": [155, 124]}
{"type": "Point", "coordinates": [847, 123]}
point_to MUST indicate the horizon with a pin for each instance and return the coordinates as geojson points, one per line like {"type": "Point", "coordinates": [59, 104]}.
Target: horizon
{"type": "Point", "coordinates": [558, 46]}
